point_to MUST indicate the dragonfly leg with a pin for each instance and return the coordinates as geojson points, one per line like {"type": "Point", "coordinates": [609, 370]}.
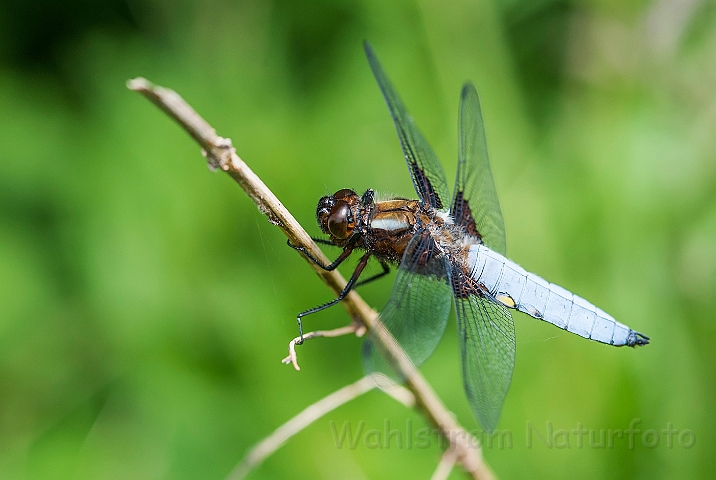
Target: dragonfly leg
{"type": "Point", "coordinates": [345, 254]}
{"type": "Point", "coordinates": [386, 271]}
{"type": "Point", "coordinates": [321, 241]}
{"type": "Point", "coordinates": [349, 286]}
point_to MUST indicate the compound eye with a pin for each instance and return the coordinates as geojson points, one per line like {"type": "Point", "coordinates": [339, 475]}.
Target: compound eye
{"type": "Point", "coordinates": [341, 194]}
{"type": "Point", "coordinates": [339, 222]}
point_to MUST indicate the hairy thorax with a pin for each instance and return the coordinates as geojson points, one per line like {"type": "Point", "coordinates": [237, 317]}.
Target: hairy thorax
{"type": "Point", "coordinates": [452, 240]}
{"type": "Point", "coordinates": [394, 222]}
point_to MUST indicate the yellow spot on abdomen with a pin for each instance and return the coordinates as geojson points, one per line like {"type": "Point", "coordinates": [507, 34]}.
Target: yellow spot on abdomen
{"type": "Point", "coordinates": [506, 300]}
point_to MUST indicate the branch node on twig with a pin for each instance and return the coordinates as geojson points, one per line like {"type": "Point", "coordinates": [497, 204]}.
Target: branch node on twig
{"type": "Point", "coordinates": [220, 157]}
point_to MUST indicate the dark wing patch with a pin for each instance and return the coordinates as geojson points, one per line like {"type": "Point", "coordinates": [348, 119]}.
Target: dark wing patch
{"type": "Point", "coordinates": [424, 187]}
{"type": "Point", "coordinates": [487, 349]}
{"type": "Point", "coordinates": [419, 305]}
{"type": "Point", "coordinates": [462, 214]}
{"type": "Point", "coordinates": [425, 169]}
{"type": "Point", "coordinates": [475, 204]}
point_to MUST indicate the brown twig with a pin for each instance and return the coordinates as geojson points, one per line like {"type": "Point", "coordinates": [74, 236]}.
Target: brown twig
{"type": "Point", "coordinates": [398, 392]}
{"type": "Point", "coordinates": [447, 462]}
{"type": "Point", "coordinates": [281, 435]}
{"type": "Point", "coordinates": [220, 154]}
{"type": "Point", "coordinates": [310, 414]}
{"type": "Point", "coordinates": [291, 358]}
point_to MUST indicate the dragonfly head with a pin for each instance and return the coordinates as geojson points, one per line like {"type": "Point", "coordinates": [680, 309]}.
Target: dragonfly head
{"type": "Point", "coordinates": [337, 213]}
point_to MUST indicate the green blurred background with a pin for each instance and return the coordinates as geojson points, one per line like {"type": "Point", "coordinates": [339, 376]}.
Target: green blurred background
{"type": "Point", "coordinates": [145, 304]}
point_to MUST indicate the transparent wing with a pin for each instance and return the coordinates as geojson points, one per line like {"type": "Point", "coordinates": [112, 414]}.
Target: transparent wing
{"type": "Point", "coordinates": [487, 350]}
{"type": "Point", "coordinates": [475, 204]}
{"type": "Point", "coordinates": [425, 169]}
{"type": "Point", "coordinates": [416, 313]}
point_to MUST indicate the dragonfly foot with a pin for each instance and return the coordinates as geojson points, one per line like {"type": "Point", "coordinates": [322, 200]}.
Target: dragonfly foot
{"type": "Point", "coordinates": [300, 332]}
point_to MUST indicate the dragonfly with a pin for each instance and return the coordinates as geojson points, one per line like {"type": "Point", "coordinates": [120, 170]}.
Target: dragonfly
{"type": "Point", "coordinates": [450, 254]}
